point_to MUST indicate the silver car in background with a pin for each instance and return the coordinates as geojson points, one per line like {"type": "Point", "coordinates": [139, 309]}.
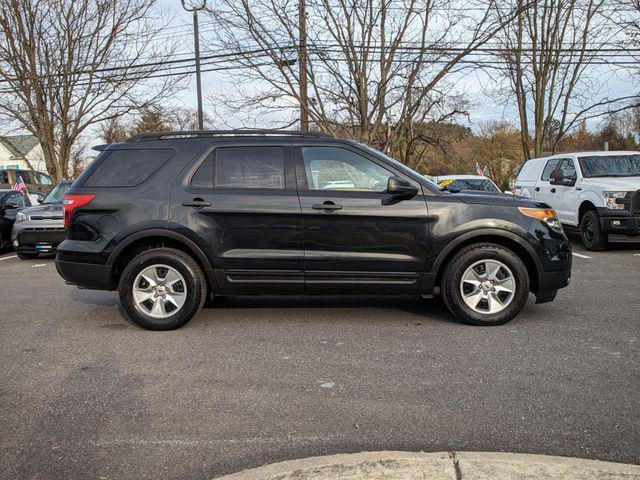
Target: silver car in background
{"type": "Point", "coordinates": [40, 229]}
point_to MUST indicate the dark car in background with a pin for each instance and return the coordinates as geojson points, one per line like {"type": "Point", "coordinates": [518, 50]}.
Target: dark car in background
{"type": "Point", "coordinates": [40, 229]}
{"type": "Point", "coordinates": [11, 203]}
{"type": "Point", "coordinates": [171, 219]}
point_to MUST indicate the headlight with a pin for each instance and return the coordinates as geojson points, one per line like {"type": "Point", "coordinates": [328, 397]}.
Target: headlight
{"type": "Point", "coordinates": [611, 197]}
{"type": "Point", "coordinates": [546, 215]}
{"type": "Point", "coordinates": [20, 217]}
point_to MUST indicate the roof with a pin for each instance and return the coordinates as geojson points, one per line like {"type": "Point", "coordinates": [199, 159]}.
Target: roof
{"type": "Point", "coordinates": [598, 153]}
{"type": "Point", "coordinates": [19, 145]}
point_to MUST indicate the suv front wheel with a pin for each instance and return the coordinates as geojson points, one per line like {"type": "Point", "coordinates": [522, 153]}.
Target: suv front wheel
{"type": "Point", "coordinates": [485, 284]}
{"type": "Point", "coordinates": [162, 289]}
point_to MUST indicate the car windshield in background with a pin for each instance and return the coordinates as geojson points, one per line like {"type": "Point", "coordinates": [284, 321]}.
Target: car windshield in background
{"type": "Point", "coordinates": [469, 184]}
{"type": "Point", "coordinates": [57, 194]}
{"type": "Point", "coordinates": [610, 166]}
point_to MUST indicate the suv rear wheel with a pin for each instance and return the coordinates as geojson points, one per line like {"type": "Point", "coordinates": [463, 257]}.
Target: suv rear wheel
{"type": "Point", "coordinates": [592, 237]}
{"type": "Point", "coordinates": [485, 284]}
{"type": "Point", "coordinates": [162, 289]}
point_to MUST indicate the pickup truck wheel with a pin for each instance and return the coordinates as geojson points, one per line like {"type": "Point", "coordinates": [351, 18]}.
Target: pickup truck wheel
{"type": "Point", "coordinates": [162, 289]}
{"type": "Point", "coordinates": [592, 237]}
{"type": "Point", "coordinates": [485, 284]}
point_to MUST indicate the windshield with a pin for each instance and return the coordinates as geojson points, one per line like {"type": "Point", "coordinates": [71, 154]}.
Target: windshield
{"type": "Point", "coordinates": [57, 194]}
{"type": "Point", "coordinates": [610, 166]}
{"type": "Point", "coordinates": [481, 184]}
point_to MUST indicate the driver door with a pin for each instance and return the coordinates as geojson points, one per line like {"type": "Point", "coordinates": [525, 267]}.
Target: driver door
{"type": "Point", "coordinates": [357, 238]}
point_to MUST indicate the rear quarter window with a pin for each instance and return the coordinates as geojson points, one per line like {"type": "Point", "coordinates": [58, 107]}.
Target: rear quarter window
{"type": "Point", "coordinates": [128, 168]}
{"type": "Point", "coordinates": [529, 171]}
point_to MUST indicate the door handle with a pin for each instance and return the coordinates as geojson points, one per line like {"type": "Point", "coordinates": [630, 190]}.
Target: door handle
{"type": "Point", "coordinates": [578, 188]}
{"type": "Point", "coordinates": [196, 202]}
{"type": "Point", "coordinates": [327, 206]}
{"type": "Point", "coordinates": [553, 190]}
{"type": "Point", "coordinates": [537, 189]}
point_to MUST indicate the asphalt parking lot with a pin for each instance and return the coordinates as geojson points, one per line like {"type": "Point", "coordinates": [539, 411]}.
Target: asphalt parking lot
{"type": "Point", "coordinates": [85, 394]}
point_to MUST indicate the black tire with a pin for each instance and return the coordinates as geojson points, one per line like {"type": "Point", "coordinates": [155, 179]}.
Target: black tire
{"type": "Point", "coordinates": [25, 256]}
{"type": "Point", "coordinates": [465, 258]}
{"type": "Point", "coordinates": [591, 234]}
{"type": "Point", "coordinates": [195, 288]}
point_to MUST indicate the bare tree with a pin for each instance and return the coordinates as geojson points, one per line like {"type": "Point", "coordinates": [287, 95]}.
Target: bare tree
{"type": "Point", "coordinates": [152, 118]}
{"type": "Point", "coordinates": [378, 71]}
{"type": "Point", "coordinates": [68, 64]}
{"type": "Point", "coordinates": [553, 55]}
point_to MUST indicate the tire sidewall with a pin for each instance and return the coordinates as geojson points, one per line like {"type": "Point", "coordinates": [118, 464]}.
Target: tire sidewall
{"type": "Point", "coordinates": [597, 242]}
{"type": "Point", "coordinates": [453, 277]}
{"type": "Point", "coordinates": [192, 284]}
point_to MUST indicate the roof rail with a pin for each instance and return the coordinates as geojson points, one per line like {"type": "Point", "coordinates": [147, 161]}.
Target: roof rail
{"type": "Point", "coordinates": [220, 133]}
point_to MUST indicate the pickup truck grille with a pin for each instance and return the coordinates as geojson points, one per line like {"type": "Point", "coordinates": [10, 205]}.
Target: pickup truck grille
{"type": "Point", "coordinates": [35, 235]}
{"type": "Point", "coordinates": [634, 204]}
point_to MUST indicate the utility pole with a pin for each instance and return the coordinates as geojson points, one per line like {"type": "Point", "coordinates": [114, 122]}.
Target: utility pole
{"type": "Point", "coordinates": [196, 38]}
{"type": "Point", "coordinates": [302, 65]}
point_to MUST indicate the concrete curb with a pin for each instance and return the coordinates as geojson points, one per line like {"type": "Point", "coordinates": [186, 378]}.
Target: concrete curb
{"type": "Point", "coordinates": [439, 466]}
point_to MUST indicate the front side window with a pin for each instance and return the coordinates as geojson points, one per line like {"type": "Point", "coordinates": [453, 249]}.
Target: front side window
{"type": "Point", "coordinates": [567, 168]}
{"type": "Point", "coordinates": [550, 167]}
{"type": "Point", "coordinates": [334, 168]}
{"type": "Point", "coordinates": [610, 166]}
{"type": "Point", "coordinates": [248, 167]}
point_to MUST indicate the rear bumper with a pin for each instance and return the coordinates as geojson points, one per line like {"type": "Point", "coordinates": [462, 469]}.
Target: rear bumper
{"type": "Point", "coordinates": [85, 275]}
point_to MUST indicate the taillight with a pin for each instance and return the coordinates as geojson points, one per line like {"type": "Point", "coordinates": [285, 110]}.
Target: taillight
{"type": "Point", "coordinates": [73, 201]}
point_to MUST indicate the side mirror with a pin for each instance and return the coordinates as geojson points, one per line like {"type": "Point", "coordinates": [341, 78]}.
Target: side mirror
{"type": "Point", "coordinates": [400, 187]}
{"type": "Point", "coordinates": [558, 178]}
{"type": "Point", "coordinates": [40, 200]}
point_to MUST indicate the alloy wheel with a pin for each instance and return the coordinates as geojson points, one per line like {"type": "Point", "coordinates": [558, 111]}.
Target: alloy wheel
{"type": "Point", "coordinates": [159, 291]}
{"type": "Point", "coordinates": [488, 286]}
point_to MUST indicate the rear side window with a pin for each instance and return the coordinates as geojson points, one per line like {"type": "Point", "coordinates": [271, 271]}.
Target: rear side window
{"type": "Point", "coordinates": [127, 168]}
{"type": "Point", "coordinates": [528, 171]}
{"type": "Point", "coordinates": [248, 167]}
{"type": "Point", "coordinates": [550, 167]}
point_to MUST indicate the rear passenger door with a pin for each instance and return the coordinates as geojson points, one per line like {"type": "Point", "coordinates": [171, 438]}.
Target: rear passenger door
{"type": "Point", "coordinates": [544, 191]}
{"type": "Point", "coordinates": [241, 202]}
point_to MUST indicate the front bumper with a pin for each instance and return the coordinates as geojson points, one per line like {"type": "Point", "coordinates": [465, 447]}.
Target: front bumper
{"type": "Point", "coordinates": [614, 222]}
{"type": "Point", "coordinates": [32, 239]}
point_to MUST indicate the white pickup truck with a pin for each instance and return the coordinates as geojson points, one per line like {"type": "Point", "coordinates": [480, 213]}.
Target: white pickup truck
{"type": "Point", "coordinates": [599, 192]}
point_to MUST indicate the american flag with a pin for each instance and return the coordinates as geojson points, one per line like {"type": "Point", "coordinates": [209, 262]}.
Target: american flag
{"type": "Point", "coordinates": [20, 186]}
{"type": "Point", "coordinates": [479, 170]}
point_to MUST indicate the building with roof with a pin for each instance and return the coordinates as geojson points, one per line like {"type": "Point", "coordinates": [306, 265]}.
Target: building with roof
{"type": "Point", "coordinates": [18, 151]}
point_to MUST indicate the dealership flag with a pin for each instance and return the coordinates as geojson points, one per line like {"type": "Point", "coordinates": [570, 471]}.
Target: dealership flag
{"type": "Point", "coordinates": [479, 170]}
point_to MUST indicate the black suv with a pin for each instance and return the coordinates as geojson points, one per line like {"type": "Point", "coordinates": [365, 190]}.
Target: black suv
{"type": "Point", "coordinates": [172, 218]}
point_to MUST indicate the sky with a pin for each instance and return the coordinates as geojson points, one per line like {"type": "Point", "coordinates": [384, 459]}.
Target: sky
{"type": "Point", "coordinates": [479, 86]}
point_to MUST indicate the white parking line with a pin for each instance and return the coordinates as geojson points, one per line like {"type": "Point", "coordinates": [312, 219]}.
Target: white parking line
{"type": "Point", "coordinates": [579, 255]}
{"type": "Point", "coordinates": [10, 256]}
{"type": "Point", "coordinates": [39, 265]}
